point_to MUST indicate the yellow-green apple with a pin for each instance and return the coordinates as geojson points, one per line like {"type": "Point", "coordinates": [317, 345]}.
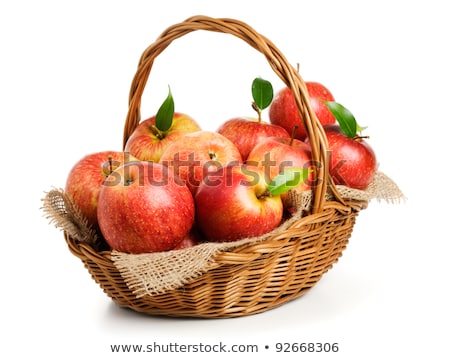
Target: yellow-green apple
{"type": "Point", "coordinates": [234, 203]}
{"type": "Point", "coordinates": [284, 112]}
{"type": "Point", "coordinates": [352, 160]}
{"type": "Point", "coordinates": [147, 142]}
{"type": "Point", "coordinates": [86, 178]}
{"type": "Point", "coordinates": [143, 207]}
{"type": "Point", "coordinates": [275, 154]}
{"type": "Point", "coordinates": [195, 155]}
{"type": "Point", "coordinates": [246, 132]}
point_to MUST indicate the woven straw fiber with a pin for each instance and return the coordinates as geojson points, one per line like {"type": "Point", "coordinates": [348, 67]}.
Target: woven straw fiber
{"type": "Point", "coordinates": [255, 277]}
{"type": "Point", "coordinates": [248, 280]}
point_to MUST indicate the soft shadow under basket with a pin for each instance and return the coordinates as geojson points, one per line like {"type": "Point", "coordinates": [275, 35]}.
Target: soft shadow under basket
{"type": "Point", "coordinates": [254, 277]}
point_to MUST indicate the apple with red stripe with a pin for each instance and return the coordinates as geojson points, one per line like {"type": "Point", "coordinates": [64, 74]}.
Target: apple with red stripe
{"type": "Point", "coordinates": [239, 202]}
{"type": "Point", "coordinates": [86, 178]}
{"type": "Point", "coordinates": [246, 132]}
{"type": "Point", "coordinates": [353, 162]}
{"type": "Point", "coordinates": [143, 207]}
{"type": "Point", "coordinates": [275, 154]}
{"type": "Point", "coordinates": [153, 135]}
{"type": "Point", "coordinates": [195, 155]}
{"type": "Point", "coordinates": [284, 112]}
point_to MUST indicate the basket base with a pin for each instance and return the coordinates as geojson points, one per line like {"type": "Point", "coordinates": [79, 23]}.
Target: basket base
{"type": "Point", "coordinates": [287, 266]}
{"type": "Point", "coordinates": [233, 311]}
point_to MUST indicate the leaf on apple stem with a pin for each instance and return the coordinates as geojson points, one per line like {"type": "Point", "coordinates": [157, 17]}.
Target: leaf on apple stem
{"type": "Point", "coordinates": [345, 118]}
{"type": "Point", "coordinates": [288, 179]}
{"type": "Point", "coordinates": [164, 116]}
{"type": "Point", "coordinates": [262, 92]}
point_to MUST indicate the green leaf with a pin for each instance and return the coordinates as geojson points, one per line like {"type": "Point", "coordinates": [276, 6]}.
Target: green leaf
{"type": "Point", "coordinates": [345, 118]}
{"type": "Point", "coordinates": [262, 92]}
{"type": "Point", "coordinates": [164, 116]}
{"type": "Point", "coordinates": [288, 179]}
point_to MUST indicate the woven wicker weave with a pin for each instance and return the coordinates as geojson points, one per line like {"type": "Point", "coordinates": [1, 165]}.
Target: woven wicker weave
{"type": "Point", "coordinates": [255, 277]}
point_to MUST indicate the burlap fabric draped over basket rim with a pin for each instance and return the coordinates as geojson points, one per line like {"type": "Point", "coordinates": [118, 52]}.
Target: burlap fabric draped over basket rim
{"type": "Point", "coordinates": [234, 279]}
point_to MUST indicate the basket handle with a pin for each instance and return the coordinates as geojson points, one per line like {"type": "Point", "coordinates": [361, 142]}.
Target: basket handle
{"type": "Point", "coordinates": [287, 73]}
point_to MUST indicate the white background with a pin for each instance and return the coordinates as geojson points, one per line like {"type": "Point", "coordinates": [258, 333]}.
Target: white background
{"type": "Point", "coordinates": [65, 72]}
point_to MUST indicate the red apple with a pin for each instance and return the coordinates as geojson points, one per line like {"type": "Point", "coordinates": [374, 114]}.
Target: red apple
{"type": "Point", "coordinates": [352, 160]}
{"type": "Point", "coordinates": [246, 132]}
{"type": "Point", "coordinates": [283, 110]}
{"type": "Point", "coordinates": [86, 177]}
{"type": "Point", "coordinates": [147, 143]}
{"type": "Point", "coordinates": [197, 154]}
{"type": "Point", "coordinates": [190, 240]}
{"type": "Point", "coordinates": [275, 154]}
{"type": "Point", "coordinates": [143, 207]}
{"type": "Point", "coordinates": [234, 204]}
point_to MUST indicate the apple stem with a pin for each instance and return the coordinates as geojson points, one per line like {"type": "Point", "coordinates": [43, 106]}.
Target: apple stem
{"type": "Point", "coordinates": [257, 110]}
{"type": "Point", "coordinates": [212, 155]}
{"type": "Point", "coordinates": [110, 165]}
{"type": "Point", "coordinates": [359, 138]}
{"type": "Point", "coordinates": [265, 194]}
{"type": "Point", "coordinates": [158, 133]}
{"type": "Point", "coordinates": [294, 130]}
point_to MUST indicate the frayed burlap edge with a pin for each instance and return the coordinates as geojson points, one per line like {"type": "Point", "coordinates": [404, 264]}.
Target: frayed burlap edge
{"type": "Point", "coordinates": [64, 215]}
{"type": "Point", "coordinates": [156, 273]}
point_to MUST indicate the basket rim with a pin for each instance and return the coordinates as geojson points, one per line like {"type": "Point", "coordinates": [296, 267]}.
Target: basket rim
{"type": "Point", "coordinates": [244, 252]}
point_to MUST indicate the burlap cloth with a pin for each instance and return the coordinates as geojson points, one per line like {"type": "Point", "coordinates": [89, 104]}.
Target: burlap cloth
{"type": "Point", "coordinates": [156, 273]}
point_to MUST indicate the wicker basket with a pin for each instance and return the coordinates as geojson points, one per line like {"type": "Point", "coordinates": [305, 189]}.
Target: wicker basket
{"type": "Point", "coordinates": [256, 277]}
